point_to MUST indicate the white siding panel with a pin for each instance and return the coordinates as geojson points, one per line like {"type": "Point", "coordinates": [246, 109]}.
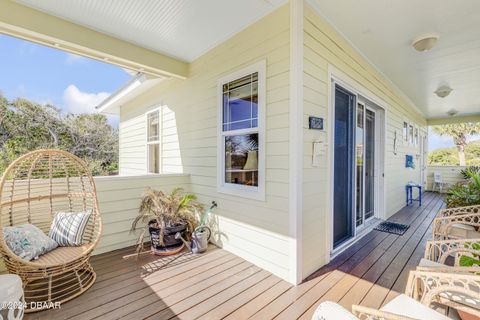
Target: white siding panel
{"type": "Point", "coordinates": [450, 175]}
{"type": "Point", "coordinates": [324, 48]}
{"type": "Point", "coordinates": [254, 230]}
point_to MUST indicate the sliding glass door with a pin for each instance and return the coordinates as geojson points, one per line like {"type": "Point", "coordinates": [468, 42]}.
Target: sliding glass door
{"type": "Point", "coordinates": [369, 164]}
{"type": "Point", "coordinates": [365, 164]}
{"type": "Point", "coordinates": [343, 229]}
{"type": "Point", "coordinates": [354, 165]}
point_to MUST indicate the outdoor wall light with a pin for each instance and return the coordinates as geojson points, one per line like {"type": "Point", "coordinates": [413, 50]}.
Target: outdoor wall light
{"type": "Point", "coordinates": [443, 91]}
{"type": "Point", "coordinates": [425, 43]}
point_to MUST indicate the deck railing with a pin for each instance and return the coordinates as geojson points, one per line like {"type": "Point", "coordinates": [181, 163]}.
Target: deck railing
{"type": "Point", "coordinates": [450, 175]}
{"type": "Point", "coordinates": [119, 199]}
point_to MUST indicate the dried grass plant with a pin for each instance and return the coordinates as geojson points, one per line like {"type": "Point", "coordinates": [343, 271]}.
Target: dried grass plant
{"type": "Point", "coordinates": [166, 210]}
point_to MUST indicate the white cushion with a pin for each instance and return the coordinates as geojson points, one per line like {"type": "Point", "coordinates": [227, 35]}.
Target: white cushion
{"type": "Point", "coordinates": [430, 264]}
{"type": "Point", "coordinates": [463, 299]}
{"type": "Point", "coordinates": [68, 228]}
{"type": "Point", "coordinates": [464, 226]}
{"type": "Point", "coordinates": [462, 231]}
{"type": "Point", "coordinates": [27, 241]}
{"type": "Point", "coordinates": [408, 307]}
{"type": "Point", "coordinates": [332, 311]}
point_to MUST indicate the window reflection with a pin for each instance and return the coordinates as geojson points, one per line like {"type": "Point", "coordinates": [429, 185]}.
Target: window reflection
{"type": "Point", "coordinates": [241, 159]}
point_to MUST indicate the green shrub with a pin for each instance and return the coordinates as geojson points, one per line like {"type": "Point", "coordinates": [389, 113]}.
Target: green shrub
{"type": "Point", "coordinates": [466, 194]}
{"type": "Point", "coordinates": [468, 172]}
{"type": "Point", "coordinates": [470, 261]}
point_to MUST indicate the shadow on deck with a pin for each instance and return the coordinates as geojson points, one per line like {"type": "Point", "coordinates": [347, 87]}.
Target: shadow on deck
{"type": "Point", "coordinates": [220, 285]}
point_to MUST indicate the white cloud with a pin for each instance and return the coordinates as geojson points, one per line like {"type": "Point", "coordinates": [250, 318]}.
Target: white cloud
{"type": "Point", "coordinates": [77, 101]}
{"type": "Point", "coordinates": [73, 58]}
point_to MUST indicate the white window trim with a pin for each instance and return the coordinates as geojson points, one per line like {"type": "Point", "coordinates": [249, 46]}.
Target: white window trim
{"type": "Point", "coordinates": [406, 138]}
{"type": "Point", "coordinates": [416, 137]}
{"type": "Point", "coordinates": [159, 141]}
{"type": "Point", "coordinates": [251, 192]}
{"type": "Point", "coordinates": [411, 135]}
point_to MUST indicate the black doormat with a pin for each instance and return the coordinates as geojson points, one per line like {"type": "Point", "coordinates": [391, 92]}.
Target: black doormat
{"type": "Point", "coordinates": [392, 227]}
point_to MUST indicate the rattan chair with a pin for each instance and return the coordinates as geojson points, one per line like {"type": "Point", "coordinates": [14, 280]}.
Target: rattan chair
{"type": "Point", "coordinates": [33, 188]}
{"type": "Point", "coordinates": [437, 252]}
{"type": "Point", "coordinates": [456, 223]}
{"type": "Point", "coordinates": [460, 291]}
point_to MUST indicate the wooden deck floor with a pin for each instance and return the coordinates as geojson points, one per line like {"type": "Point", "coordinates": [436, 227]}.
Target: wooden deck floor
{"type": "Point", "coordinates": [219, 285]}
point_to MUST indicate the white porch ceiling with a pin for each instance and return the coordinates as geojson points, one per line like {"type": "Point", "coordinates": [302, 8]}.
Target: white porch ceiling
{"type": "Point", "coordinates": [184, 29]}
{"type": "Point", "coordinates": [384, 30]}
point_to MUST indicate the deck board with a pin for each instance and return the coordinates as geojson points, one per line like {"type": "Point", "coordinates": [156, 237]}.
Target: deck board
{"type": "Point", "coordinates": [220, 285]}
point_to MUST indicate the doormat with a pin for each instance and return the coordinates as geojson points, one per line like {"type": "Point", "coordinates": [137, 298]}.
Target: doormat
{"type": "Point", "coordinates": [392, 227]}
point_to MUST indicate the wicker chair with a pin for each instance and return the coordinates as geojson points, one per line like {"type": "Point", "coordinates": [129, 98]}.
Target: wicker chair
{"type": "Point", "coordinates": [33, 188]}
{"type": "Point", "coordinates": [424, 289]}
{"type": "Point", "coordinates": [460, 291]}
{"type": "Point", "coordinates": [456, 226]}
{"type": "Point", "coordinates": [457, 223]}
{"type": "Point", "coordinates": [437, 253]}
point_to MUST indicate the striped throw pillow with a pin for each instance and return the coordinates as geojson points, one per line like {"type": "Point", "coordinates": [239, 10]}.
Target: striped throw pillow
{"type": "Point", "coordinates": [68, 228]}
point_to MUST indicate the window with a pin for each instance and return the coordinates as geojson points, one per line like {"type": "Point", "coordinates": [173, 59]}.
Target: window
{"type": "Point", "coordinates": [410, 134]}
{"type": "Point", "coordinates": [416, 136]}
{"type": "Point", "coordinates": [405, 131]}
{"type": "Point", "coordinates": [153, 141]}
{"type": "Point", "coordinates": [241, 150]}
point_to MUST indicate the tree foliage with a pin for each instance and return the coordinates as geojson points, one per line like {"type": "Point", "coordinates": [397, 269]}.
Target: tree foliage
{"type": "Point", "coordinates": [459, 132]}
{"type": "Point", "coordinates": [449, 156]}
{"type": "Point", "coordinates": [26, 126]}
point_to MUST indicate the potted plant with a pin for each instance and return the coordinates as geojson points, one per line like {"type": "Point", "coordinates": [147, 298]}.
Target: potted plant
{"type": "Point", "coordinates": [164, 215]}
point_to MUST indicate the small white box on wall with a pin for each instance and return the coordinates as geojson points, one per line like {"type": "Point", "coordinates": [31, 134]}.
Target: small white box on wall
{"type": "Point", "coordinates": [317, 152]}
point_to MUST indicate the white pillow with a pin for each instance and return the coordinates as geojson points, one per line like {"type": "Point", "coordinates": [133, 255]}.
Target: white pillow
{"type": "Point", "coordinates": [27, 241]}
{"type": "Point", "coordinates": [68, 228]}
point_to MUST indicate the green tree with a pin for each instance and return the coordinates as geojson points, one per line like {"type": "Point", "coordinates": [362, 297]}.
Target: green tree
{"type": "Point", "coordinates": [459, 132]}
{"type": "Point", "coordinates": [27, 126]}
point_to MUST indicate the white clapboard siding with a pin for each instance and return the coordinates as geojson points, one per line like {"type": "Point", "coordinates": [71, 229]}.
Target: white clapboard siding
{"type": "Point", "coordinates": [254, 230]}
{"type": "Point", "coordinates": [450, 175]}
{"type": "Point", "coordinates": [119, 199]}
{"type": "Point", "coordinates": [324, 48]}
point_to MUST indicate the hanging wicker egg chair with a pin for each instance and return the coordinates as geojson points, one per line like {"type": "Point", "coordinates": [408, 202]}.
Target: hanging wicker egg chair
{"type": "Point", "coordinates": [32, 190]}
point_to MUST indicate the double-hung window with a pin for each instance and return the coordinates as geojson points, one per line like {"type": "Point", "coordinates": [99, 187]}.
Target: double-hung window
{"type": "Point", "coordinates": [241, 133]}
{"type": "Point", "coordinates": [153, 141]}
{"type": "Point", "coordinates": [405, 132]}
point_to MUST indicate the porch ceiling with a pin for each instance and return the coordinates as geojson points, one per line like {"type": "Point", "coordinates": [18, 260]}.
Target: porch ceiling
{"type": "Point", "coordinates": [183, 29]}
{"type": "Point", "coordinates": [384, 30]}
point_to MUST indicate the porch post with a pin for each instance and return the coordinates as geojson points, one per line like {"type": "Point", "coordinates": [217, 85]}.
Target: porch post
{"type": "Point", "coordinates": [296, 140]}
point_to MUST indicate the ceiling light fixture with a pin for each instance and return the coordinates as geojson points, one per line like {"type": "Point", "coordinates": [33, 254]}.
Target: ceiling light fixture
{"type": "Point", "coordinates": [452, 112]}
{"type": "Point", "coordinates": [425, 43]}
{"type": "Point", "coordinates": [443, 91]}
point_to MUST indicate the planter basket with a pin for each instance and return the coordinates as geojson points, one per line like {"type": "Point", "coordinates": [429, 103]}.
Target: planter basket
{"type": "Point", "coordinates": [33, 188]}
{"type": "Point", "coordinates": [168, 236]}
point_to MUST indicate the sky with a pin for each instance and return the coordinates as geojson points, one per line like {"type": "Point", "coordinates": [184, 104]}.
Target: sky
{"type": "Point", "coordinates": [46, 75]}
{"type": "Point", "coordinates": [437, 142]}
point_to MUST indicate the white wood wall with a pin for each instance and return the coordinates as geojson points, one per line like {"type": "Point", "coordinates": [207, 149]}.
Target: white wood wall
{"type": "Point", "coordinates": [324, 50]}
{"type": "Point", "coordinates": [450, 175]}
{"type": "Point", "coordinates": [119, 200]}
{"type": "Point", "coordinates": [254, 230]}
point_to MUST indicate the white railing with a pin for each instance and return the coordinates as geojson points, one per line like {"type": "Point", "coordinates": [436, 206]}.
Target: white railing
{"type": "Point", "coordinates": [119, 199]}
{"type": "Point", "coordinates": [450, 174]}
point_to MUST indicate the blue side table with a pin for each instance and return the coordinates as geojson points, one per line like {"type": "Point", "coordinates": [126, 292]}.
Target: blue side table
{"type": "Point", "coordinates": [409, 190]}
